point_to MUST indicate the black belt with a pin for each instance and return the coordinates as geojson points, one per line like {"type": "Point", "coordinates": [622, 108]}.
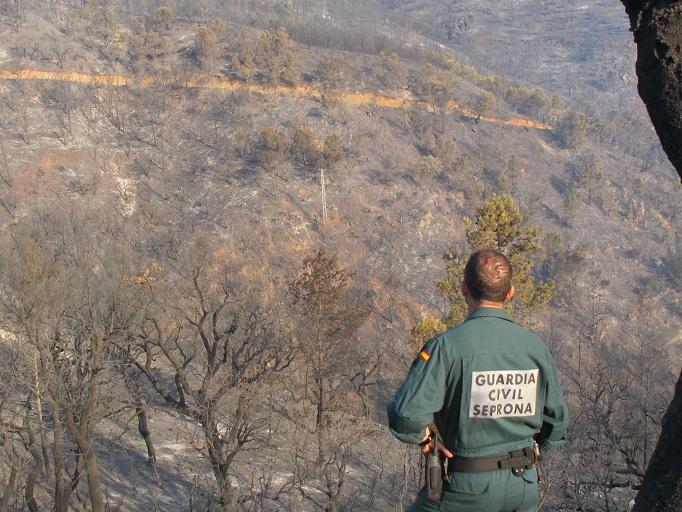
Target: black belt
{"type": "Point", "coordinates": [517, 461]}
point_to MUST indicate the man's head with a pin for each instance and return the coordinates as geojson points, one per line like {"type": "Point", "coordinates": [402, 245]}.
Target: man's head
{"type": "Point", "coordinates": [488, 277]}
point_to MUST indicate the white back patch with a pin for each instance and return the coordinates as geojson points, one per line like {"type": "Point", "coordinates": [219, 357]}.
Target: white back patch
{"type": "Point", "coordinates": [503, 393]}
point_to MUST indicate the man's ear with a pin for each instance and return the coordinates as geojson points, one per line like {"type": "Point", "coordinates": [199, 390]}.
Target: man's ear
{"type": "Point", "coordinates": [463, 288]}
{"type": "Point", "coordinates": [510, 294]}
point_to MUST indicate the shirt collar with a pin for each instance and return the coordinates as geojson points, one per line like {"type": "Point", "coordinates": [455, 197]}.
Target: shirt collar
{"type": "Point", "coordinates": [490, 312]}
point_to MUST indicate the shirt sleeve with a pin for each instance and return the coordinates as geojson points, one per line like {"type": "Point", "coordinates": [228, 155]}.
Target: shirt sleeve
{"type": "Point", "coordinates": [555, 411]}
{"type": "Point", "coordinates": [421, 395]}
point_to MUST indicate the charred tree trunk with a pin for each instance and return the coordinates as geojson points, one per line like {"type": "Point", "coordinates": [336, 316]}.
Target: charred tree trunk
{"type": "Point", "coordinates": [96, 496]}
{"type": "Point", "coordinates": [63, 488]}
{"type": "Point", "coordinates": [34, 475]}
{"type": "Point", "coordinates": [41, 421]}
{"type": "Point", "coordinates": [60, 499]}
{"type": "Point", "coordinates": [662, 486]}
{"type": "Point", "coordinates": [81, 436]}
{"type": "Point", "coordinates": [143, 428]}
{"type": "Point", "coordinates": [657, 27]}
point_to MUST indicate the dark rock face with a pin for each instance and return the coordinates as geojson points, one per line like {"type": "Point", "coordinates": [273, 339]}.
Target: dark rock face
{"type": "Point", "coordinates": [657, 26]}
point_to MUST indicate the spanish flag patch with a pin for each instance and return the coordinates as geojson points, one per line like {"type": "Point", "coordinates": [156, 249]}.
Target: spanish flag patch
{"type": "Point", "coordinates": [425, 355]}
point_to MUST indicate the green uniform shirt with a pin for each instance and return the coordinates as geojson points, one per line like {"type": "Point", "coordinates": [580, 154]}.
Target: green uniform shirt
{"type": "Point", "coordinates": [488, 384]}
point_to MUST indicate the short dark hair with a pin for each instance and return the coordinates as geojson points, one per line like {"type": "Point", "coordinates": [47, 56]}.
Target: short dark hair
{"type": "Point", "coordinates": [488, 275]}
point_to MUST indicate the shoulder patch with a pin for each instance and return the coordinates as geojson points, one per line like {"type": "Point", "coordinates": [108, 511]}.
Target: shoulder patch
{"type": "Point", "coordinates": [425, 355]}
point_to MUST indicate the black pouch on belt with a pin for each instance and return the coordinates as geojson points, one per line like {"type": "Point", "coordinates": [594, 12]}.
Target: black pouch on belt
{"type": "Point", "coordinates": [434, 474]}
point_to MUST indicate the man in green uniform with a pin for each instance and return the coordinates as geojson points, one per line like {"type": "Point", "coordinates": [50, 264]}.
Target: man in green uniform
{"type": "Point", "coordinates": [491, 389]}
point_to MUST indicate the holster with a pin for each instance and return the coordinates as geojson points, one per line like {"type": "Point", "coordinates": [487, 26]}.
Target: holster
{"type": "Point", "coordinates": [434, 474]}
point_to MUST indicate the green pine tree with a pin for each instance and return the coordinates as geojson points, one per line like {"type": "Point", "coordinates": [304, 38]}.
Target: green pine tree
{"type": "Point", "coordinates": [498, 225]}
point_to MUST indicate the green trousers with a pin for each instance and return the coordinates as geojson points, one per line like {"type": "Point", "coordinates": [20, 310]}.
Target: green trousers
{"type": "Point", "coordinates": [493, 491]}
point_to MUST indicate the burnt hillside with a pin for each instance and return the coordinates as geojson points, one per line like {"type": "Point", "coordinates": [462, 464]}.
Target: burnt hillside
{"type": "Point", "coordinates": [162, 202]}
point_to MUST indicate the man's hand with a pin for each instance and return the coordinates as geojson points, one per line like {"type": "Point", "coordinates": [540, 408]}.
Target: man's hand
{"type": "Point", "coordinates": [427, 445]}
{"type": "Point", "coordinates": [440, 448]}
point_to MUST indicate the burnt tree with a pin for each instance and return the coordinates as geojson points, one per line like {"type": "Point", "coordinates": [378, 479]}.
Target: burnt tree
{"type": "Point", "coordinates": [657, 27]}
{"type": "Point", "coordinates": [204, 348]}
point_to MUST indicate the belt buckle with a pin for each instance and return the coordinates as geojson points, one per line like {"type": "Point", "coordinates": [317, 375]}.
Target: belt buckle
{"type": "Point", "coordinates": [518, 471]}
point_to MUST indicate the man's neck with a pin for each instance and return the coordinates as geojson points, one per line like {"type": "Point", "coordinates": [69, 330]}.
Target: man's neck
{"type": "Point", "coordinates": [473, 306]}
